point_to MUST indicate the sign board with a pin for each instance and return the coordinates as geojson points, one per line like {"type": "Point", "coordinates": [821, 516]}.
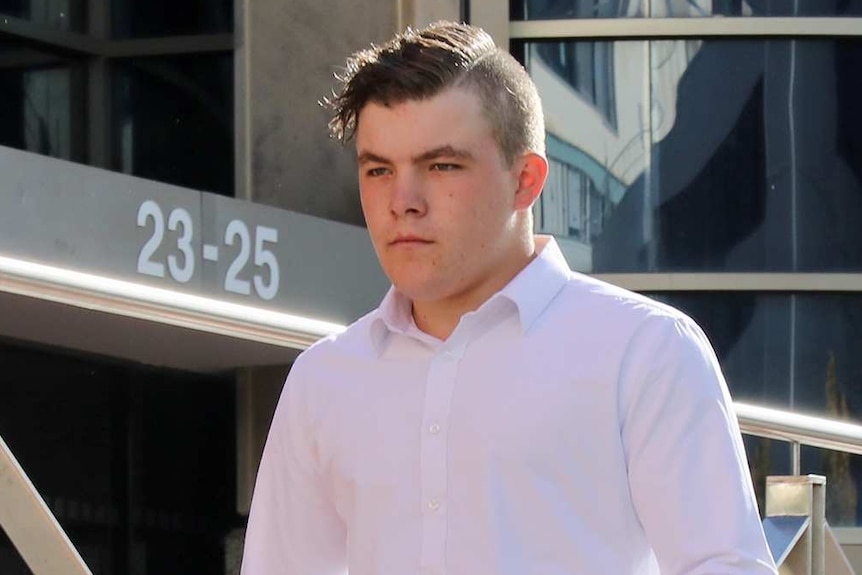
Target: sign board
{"type": "Point", "coordinates": [100, 222]}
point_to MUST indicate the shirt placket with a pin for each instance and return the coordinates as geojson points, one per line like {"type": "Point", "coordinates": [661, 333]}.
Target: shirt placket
{"type": "Point", "coordinates": [434, 456]}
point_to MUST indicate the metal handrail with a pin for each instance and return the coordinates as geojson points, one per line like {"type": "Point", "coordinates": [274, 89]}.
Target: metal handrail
{"type": "Point", "coordinates": [799, 429]}
{"type": "Point", "coordinates": [159, 305]}
{"type": "Point", "coordinates": [47, 550]}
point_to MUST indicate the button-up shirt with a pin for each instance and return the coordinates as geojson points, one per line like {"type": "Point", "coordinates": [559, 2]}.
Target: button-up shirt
{"type": "Point", "coordinates": [566, 427]}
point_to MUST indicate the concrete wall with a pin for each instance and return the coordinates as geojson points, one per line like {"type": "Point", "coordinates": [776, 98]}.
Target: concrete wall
{"type": "Point", "coordinates": [287, 55]}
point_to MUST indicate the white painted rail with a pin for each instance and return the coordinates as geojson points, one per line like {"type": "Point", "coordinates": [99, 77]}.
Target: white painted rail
{"type": "Point", "coordinates": [31, 526]}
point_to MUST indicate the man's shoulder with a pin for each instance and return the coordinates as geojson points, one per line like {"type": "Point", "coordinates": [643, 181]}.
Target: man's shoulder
{"type": "Point", "coordinates": [599, 301]}
{"type": "Point", "coordinates": [355, 340]}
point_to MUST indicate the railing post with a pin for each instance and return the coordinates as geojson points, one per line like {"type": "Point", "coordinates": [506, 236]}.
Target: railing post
{"type": "Point", "coordinates": [795, 458]}
{"type": "Point", "coordinates": [801, 496]}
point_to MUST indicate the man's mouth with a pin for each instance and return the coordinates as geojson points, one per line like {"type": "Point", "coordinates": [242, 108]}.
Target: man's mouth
{"type": "Point", "coordinates": [409, 240]}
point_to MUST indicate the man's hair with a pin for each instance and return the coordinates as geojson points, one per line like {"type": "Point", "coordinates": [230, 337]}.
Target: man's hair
{"type": "Point", "coordinates": [419, 64]}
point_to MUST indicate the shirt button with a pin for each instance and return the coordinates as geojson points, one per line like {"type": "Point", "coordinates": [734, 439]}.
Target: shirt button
{"type": "Point", "coordinates": [434, 504]}
{"type": "Point", "coordinates": [434, 428]}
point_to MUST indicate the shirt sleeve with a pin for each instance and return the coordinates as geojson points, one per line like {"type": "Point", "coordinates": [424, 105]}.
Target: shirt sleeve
{"type": "Point", "coordinates": [293, 528]}
{"type": "Point", "coordinates": [688, 474]}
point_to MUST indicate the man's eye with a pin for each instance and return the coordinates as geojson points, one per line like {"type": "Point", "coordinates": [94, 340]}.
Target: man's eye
{"type": "Point", "coordinates": [375, 172]}
{"type": "Point", "coordinates": [445, 167]}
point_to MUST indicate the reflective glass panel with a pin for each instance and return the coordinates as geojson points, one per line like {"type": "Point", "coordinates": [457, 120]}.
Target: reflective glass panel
{"type": "Point", "coordinates": [796, 351]}
{"type": "Point", "coordinates": [156, 18]}
{"type": "Point", "coordinates": [566, 9]}
{"type": "Point", "coordinates": [791, 351]}
{"type": "Point", "coordinates": [173, 120]}
{"type": "Point", "coordinates": [41, 107]}
{"type": "Point", "coordinates": [801, 8]}
{"type": "Point", "coordinates": [750, 158]}
{"type": "Point", "coordinates": [60, 14]}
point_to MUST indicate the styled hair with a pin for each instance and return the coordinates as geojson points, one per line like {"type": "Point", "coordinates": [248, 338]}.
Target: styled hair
{"type": "Point", "coordinates": [419, 64]}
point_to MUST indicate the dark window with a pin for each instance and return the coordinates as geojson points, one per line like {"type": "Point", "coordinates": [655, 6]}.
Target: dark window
{"type": "Point", "coordinates": [173, 120]}
{"type": "Point", "coordinates": [138, 465]}
{"type": "Point", "coordinates": [59, 14]}
{"type": "Point", "coordinates": [156, 18]}
{"type": "Point", "coordinates": [41, 102]}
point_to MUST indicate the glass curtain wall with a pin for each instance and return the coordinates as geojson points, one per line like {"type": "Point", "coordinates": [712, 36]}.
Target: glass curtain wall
{"type": "Point", "coordinates": [715, 155]}
{"type": "Point", "coordinates": [140, 87]}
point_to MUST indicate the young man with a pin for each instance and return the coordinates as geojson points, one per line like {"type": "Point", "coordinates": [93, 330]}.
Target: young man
{"type": "Point", "coordinates": [497, 414]}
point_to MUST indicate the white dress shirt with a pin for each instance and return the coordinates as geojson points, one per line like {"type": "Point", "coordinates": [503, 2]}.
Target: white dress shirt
{"type": "Point", "coordinates": [566, 427]}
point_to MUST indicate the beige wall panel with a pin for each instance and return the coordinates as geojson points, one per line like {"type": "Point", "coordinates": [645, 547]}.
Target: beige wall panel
{"type": "Point", "coordinates": [493, 16]}
{"type": "Point", "coordinates": [418, 13]}
{"type": "Point", "coordinates": [258, 390]}
{"type": "Point", "coordinates": [289, 51]}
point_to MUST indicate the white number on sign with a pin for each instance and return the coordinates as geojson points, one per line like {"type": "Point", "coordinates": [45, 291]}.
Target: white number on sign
{"type": "Point", "coordinates": [182, 274]}
{"type": "Point", "coordinates": [264, 257]}
{"type": "Point", "coordinates": [179, 217]}
{"type": "Point", "coordinates": [181, 263]}
{"type": "Point", "coordinates": [146, 265]}
{"type": "Point", "coordinates": [232, 283]}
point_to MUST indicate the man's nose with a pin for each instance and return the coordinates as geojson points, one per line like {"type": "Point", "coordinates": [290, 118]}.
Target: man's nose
{"type": "Point", "coordinates": [408, 196]}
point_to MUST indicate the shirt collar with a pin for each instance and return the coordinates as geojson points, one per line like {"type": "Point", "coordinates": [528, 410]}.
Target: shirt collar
{"type": "Point", "coordinates": [531, 291]}
{"type": "Point", "coordinates": [537, 284]}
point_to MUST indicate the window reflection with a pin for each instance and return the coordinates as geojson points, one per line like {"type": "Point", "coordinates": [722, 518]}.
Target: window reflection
{"type": "Point", "coordinates": [798, 351]}
{"type": "Point", "coordinates": [38, 92]}
{"type": "Point", "coordinates": [568, 9]}
{"type": "Point", "coordinates": [785, 350]}
{"type": "Point", "coordinates": [703, 155]}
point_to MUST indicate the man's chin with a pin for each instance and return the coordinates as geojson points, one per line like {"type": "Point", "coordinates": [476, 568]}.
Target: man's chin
{"type": "Point", "coordinates": [417, 290]}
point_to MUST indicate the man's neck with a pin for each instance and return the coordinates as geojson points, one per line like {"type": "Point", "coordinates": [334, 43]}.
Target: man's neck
{"type": "Point", "coordinates": [439, 318]}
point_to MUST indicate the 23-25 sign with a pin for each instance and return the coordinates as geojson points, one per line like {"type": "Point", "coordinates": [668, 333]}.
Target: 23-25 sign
{"type": "Point", "coordinates": [181, 262]}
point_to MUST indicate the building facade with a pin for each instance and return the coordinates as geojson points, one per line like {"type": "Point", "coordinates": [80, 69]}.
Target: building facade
{"type": "Point", "coordinates": [171, 206]}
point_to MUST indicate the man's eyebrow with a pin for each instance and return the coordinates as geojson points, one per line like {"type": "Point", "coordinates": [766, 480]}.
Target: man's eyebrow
{"type": "Point", "coordinates": [443, 152]}
{"type": "Point", "coordinates": [369, 157]}
{"type": "Point", "coordinates": [446, 151]}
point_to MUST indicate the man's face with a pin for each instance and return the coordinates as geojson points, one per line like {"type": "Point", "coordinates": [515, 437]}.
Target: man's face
{"type": "Point", "coordinates": [438, 197]}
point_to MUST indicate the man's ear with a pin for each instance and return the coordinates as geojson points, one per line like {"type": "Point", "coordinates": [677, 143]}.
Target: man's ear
{"type": "Point", "coordinates": [532, 173]}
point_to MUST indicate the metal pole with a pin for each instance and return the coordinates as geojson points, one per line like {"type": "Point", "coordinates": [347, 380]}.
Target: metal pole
{"type": "Point", "coordinates": [795, 458]}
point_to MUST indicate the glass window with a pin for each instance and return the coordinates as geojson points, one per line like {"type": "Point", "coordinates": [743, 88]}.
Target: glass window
{"type": "Point", "coordinates": [802, 8]}
{"type": "Point", "coordinates": [173, 120]}
{"type": "Point", "coordinates": [137, 464]}
{"type": "Point", "coordinates": [40, 102]}
{"type": "Point", "coordinates": [568, 9]}
{"type": "Point", "coordinates": [60, 14]}
{"type": "Point", "coordinates": [798, 351]}
{"type": "Point", "coordinates": [156, 18]}
{"type": "Point", "coordinates": [750, 158]}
